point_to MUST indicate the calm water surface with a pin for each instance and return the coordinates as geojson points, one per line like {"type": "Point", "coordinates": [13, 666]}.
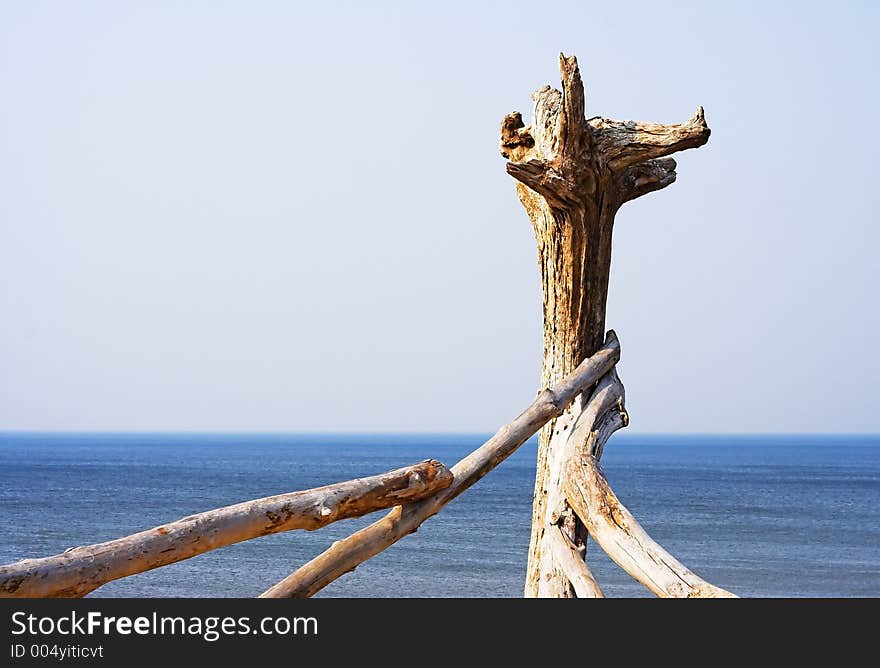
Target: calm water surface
{"type": "Point", "coordinates": [762, 516]}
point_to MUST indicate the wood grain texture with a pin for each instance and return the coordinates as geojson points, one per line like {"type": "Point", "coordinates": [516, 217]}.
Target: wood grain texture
{"type": "Point", "coordinates": [81, 570]}
{"type": "Point", "coordinates": [346, 555]}
{"type": "Point", "coordinates": [571, 561]}
{"type": "Point", "coordinates": [573, 174]}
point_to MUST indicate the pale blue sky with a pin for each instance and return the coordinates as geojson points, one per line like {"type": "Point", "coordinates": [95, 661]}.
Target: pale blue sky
{"type": "Point", "coordinates": [278, 216]}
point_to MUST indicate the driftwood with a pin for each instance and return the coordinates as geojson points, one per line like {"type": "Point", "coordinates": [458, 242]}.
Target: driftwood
{"type": "Point", "coordinates": [614, 528]}
{"type": "Point", "coordinates": [347, 554]}
{"type": "Point", "coordinates": [608, 521]}
{"type": "Point", "coordinates": [571, 561]}
{"type": "Point", "coordinates": [573, 175]}
{"type": "Point", "coordinates": [80, 570]}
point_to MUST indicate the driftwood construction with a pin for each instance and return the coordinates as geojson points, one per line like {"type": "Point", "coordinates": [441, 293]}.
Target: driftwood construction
{"type": "Point", "coordinates": [573, 174]}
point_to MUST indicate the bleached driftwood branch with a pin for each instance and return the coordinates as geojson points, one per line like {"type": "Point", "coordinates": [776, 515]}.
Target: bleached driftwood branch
{"type": "Point", "coordinates": [571, 561]}
{"type": "Point", "coordinates": [78, 571]}
{"type": "Point", "coordinates": [608, 521]}
{"type": "Point", "coordinates": [347, 554]}
{"type": "Point", "coordinates": [614, 528]}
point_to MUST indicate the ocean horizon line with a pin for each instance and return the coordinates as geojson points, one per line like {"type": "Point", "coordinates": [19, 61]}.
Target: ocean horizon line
{"type": "Point", "coordinates": [344, 433]}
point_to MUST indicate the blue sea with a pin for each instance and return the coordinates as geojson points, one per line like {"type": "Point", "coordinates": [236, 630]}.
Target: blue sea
{"type": "Point", "coordinates": [761, 516]}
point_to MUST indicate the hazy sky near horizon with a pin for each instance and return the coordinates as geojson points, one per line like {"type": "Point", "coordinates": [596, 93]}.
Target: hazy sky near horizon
{"type": "Point", "coordinates": [284, 216]}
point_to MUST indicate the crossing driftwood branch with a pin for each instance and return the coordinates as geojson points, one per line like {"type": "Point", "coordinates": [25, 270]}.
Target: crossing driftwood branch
{"type": "Point", "coordinates": [346, 555]}
{"type": "Point", "coordinates": [80, 570]}
{"type": "Point", "coordinates": [608, 521]}
{"type": "Point", "coordinates": [617, 532]}
{"type": "Point", "coordinates": [571, 560]}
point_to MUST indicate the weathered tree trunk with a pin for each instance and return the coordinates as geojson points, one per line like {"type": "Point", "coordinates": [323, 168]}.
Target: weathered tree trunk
{"type": "Point", "coordinates": [573, 175]}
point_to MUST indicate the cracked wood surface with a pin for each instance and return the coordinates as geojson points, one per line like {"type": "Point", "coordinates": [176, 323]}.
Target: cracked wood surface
{"type": "Point", "coordinates": [571, 561]}
{"type": "Point", "coordinates": [80, 570]}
